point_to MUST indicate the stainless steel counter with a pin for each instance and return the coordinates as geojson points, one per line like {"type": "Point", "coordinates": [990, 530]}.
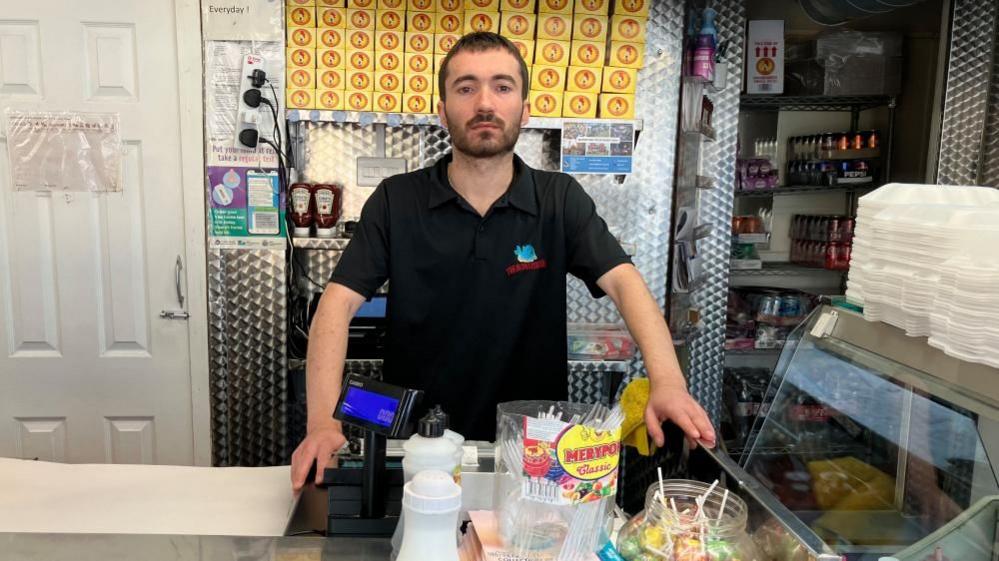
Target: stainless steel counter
{"type": "Point", "coordinates": [113, 547]}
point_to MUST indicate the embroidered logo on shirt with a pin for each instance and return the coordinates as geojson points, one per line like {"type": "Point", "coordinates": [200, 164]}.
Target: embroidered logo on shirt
{"type": "Point", "coordinates": [527, 260]}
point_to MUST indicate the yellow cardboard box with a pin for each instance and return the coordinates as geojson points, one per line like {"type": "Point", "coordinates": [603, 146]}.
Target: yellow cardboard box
{"type": "Point", "coordinates": [628, 28]}
{"type": "Point", "coordinates": [416, 103]}
{"type": "Point", "coordinates": [300, 99]}
{"type": "Point", "coordinates": [418, 63]}
{"type": "Point", "coordinates": [619, 80]}
{"type": "Point", "coordinates": [523, 6]}
{"type": "Point", "coordinates": [443, 42]}
{"type": "Point", "coordinates": [390, 41]}
{"type": "Point", "coordinates": [294, 3]}
{"type": "Point", "coordinates": [482, 5]}
{"type": "Point", "coordinates": [588, 53]}
{"type": "Point", "coordinates": [331, 3]}
{"type": "Point", "coordinates": [361, 19]}
{"type": "Point", "coordinates": [361, 4]}
{"type": "Point", "coordinates": [329, 79]}
{"type": "Point", "coordinates": [301, 78]}
{"type": "Point", "coordinates": [360, 39]}
{"type": "Point", "coordinates": [388, 102]}
{"type": "Point", "coordinates": [332, 38]}
{"type": "Point", "coordinates": [301, 16]}
{"type": "Point", "coordinates": [552, 53]}
{"type": "Point", "coordinates": [388, 61]}
{"type": "Point", "coordinates": [331, 59]}
{"type": "Point", "coordinates": [355, 100]}
{"type": "Point", "coordinates": [555, 7]}
{"type": "Point", "coordinates": [332, 18]}
{"type": "Point", "coordinates": [515, 25]}
{"type": "Point", "coordinates": [592, 7]}
{"type": "Point", "coordinates": [546, 104]}
{"type": "Point", "coordinates": [557, 27]}
{"type": "Point", "coordinates": [420, 22]}
{"type": "Point", "coordinates": [584, 79]}
{"type": "Point", "coordinates": [449, 22]}
{"type": "Point", "coordinates": [419, 43]}
{"type": "Point", "coordinates": [617, 106]}
{"type": "Point", "coordinates": [360, 60]}
{"type": "Point", "coordinates": [589, 28]}
{"type": "Point", "coordinates": [300, 57]}
{"type": "Point", "coordinates": [632, 7]}
{"type": "Point", "coordinates": [580, 105]}
{"type": "Point", "coordinates": [389, 82]}
{"type": "Point", "coordinates": [424, 83]}
{"type": "Point", "coordinates": [302, 37]}
{"type": "Point", "coordinates": [391, 5]}
{"type": "Point", "coordinates": [436, 100]}
{"type": "Point", "coordinates": [329, 100]}
{"type": "Point", "coordinates": [626, 55]}
{"type": "Point", "coordinates": [390, 20]}
{"type": "Point", "coordinates": [360, 80]}
{"type": "Point", "coordinates": [421, 5]}
{"type": "Point", "coordinates": [482, 21]}
{"type": "Point", "coordinates": [438, 63]}
{"type": "Point", "coordinates": [548, 78]}
{"type": "Point", "coordinates": [452, 6]}
{"type": "Point", "coordinates": [526, 49]}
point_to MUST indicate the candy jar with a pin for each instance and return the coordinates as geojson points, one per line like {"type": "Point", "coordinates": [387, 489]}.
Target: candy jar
{"type": "Point", "coordinates": [694, 522]}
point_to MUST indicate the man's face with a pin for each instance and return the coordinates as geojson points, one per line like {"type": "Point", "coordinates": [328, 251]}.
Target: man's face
{"type": "Point", "coordinates": [485, 107]}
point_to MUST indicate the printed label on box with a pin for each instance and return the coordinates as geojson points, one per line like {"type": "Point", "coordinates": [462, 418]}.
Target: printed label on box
{"type": "Point", "coordinates": [567, 464]}
{"type": "Point", "coordinates": [597, 147]}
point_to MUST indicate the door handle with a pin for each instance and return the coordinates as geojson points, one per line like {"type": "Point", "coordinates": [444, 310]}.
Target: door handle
{"type": "Point", "coordinates": [178, 268]}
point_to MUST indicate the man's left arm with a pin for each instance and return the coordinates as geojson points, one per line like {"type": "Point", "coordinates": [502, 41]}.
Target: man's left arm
{"type": "Point", "coordinates": [668, 395]}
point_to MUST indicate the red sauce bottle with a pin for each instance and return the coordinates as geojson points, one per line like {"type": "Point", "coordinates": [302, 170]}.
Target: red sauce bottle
{"type": "Point", "coordinates": [300, 209]}
{"type": "Point", "coordinates": [327, 204]}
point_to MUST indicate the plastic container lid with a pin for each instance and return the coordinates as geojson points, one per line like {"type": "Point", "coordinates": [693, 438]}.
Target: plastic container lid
{"type": "Point", "coordinates": [324, 232]}
{"type": "Point", "coordinates": [432, 492]}
{"type": "Point", "coordinates": [301, 232]}
{"type": "Point", "coordinates": [433, 424]}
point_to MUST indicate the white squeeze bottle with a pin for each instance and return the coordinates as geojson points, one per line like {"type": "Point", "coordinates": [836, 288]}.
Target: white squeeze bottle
{"type": "Point", "coordinates": [430, 502]}
{"type": "Point", "coordinates": [428, 449]}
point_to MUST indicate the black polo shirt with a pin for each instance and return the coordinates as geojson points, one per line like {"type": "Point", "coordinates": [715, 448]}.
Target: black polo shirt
{"type": "Point", "coordinates": [477, 305]}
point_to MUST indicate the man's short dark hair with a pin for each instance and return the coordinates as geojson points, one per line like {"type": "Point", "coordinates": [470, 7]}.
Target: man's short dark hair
{"type": "Point", "coordinates": [478, 42]}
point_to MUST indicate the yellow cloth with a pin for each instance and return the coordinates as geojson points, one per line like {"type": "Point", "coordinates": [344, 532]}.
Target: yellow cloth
{"type": "Point", "coordinates": [634, 399]}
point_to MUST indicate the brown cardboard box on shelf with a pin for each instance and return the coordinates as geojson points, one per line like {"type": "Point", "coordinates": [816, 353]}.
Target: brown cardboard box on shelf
{"type": "Point", "coordinates": [546, 104]}
{"type": "Point", "coordinates": [515, 25]}
{"type": "Point", "coordinates": [632, 7]}
{"type": "Point", "coordinates": [391, 5]}
{"type": "Point", "coordinates": [626, 55]}
{"type": "Point", "coordinates": [361, 19]}
{"type": "Point", "coordinates": [451, 6]}
{"type": "Point", "coordinates": [548, 78]}
{"type": "Point", "coordinates": [523, 6]}
{"type": "Point", "coordinates": [293, 3]}
{"type": "Point", "coordinates": [617, 106]}
{"type": "Point", "coordinates": [329, 100]}
{"type": "Point", "coordinates": [589, 28]}
{"type": "Point", "coordinates": [584, 79]}
{"type": "Point", "coordinates": [360, 60]}
{"type": "Point", "coordinates": [552, 53]}
{"type": "Point", "coordinates": [482, 5]}
{"type": "Point", "coordinates": [388, 82]}
{"type": "Point", "coordinates": [331, 3]}
{"type": "Point", "coordinates": [419, 43]}
{"type": "Point", "coordinates": [425, 83]}
{"type": "Point", "coordinates": [448, 22]}
{"type": "Point", "coordinates": [418, 63]}
{"type": "Point", "coordinates": [301, 16]}
{"type": "Point", "coordinates": [362, 4]}
{"type": "Point", "coordinates": [557, 27]}
{"type": "Point", "coordinates": [444, 42]}
{"type": "Point", "coordinates": [360, 80]}
{"type": "Point", "coordinates": [390, 20]}
{"type": "Point", "coordinates": [592, 7]}
{"type": "Point", "coordinates": [360, 39]}
{"type": "Point", "coordinates": [300, 57]}
{"type": "Point", "coordinates": [588, 53]}
{"type": "Point", "coordinates": [420, 22]}
{"type": "Point", "coordinates": [628, 28]}
{"type": "Point", "coordinates": [331, 59]}
{"type": "Point", "coordinates": [579, 105]}
{"type": "Point", "coordinates": [555, 7]}
{"type": "Point", "coordinates": [388, 102]}
{"type": "Point", "coordinates": [358, 100]}
{"type": "Point", "coordinates": [300, 98]}
{"type": "Point", "coordinates": [332, 38]}
{"type": "Point", "coordinates": [526, 49]}
{"type": "Point", "coordinates": [389, 61]}
{"type": "Point", "coordinates": [482, 21]}
{"type": "Point", "coordinates": [619, 80]}
{"type": "Point", "coordinates": [421, 6]}
{"type": "Point", "coordinates": [302, 37]}
{"type": "Point", "coordinates": [301, 78]}
{"type": "Point", "coordinates": [330, 79]}
{"type": "Point", "coordinates": [416, 103]}
{"type": "Point", "coordinates": [390, 41]}
{"type": "Point", "coordinates": [335, 18]}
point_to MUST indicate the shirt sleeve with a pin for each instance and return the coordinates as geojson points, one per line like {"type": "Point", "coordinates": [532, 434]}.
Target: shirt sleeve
{"type": "Point", "coordinates": [592, 250]}
{"type": "Point", "coordinates": [364, 265]}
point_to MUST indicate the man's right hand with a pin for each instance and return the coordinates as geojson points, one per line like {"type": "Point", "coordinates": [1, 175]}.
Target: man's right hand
{"type": "Point", "coordinates": [319, 446]}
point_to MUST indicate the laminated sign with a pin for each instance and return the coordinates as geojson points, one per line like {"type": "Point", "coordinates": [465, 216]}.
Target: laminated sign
{"type": "Point", "coordinates": [64, 151]}
{"type": "Point", "coordinates": [566, 464]}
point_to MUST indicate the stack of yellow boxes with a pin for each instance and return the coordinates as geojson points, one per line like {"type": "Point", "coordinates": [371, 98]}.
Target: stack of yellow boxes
{"type": "Point", "coordinates": [383, 55]}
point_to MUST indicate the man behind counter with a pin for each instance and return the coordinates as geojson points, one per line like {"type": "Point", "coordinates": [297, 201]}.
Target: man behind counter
{"type": "Point", "coordinates": [477, 248]}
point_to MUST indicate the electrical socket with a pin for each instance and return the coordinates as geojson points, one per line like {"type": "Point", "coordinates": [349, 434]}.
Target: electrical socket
{"type": "Point", "coordinates": [247, 117]}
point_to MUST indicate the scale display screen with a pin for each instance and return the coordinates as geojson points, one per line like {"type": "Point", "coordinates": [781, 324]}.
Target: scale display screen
{"type": "Point", "coordinates": [370, 406]}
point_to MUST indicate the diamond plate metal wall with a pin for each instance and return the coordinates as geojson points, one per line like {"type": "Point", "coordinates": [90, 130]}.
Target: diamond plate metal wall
{"type": "Point", "coordinates": [966, 98]}
{"type": "Point", "coordinates": [247, 331]}
{"type": "Point", "coordinates": [707, 351]}
{"type": "Point", "coordinates": [990, 156]}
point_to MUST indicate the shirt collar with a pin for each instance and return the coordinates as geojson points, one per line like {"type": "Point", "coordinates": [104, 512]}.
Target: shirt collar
{"type": "Point", "coordinates": [520, 195]}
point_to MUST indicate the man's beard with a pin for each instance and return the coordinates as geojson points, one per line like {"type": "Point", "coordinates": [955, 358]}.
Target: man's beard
{"type": "Point", "coordinates": [472, 143]}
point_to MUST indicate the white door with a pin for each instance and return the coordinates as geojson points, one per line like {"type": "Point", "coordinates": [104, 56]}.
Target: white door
{"type": "Point", "coordinates": [89, 371]}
